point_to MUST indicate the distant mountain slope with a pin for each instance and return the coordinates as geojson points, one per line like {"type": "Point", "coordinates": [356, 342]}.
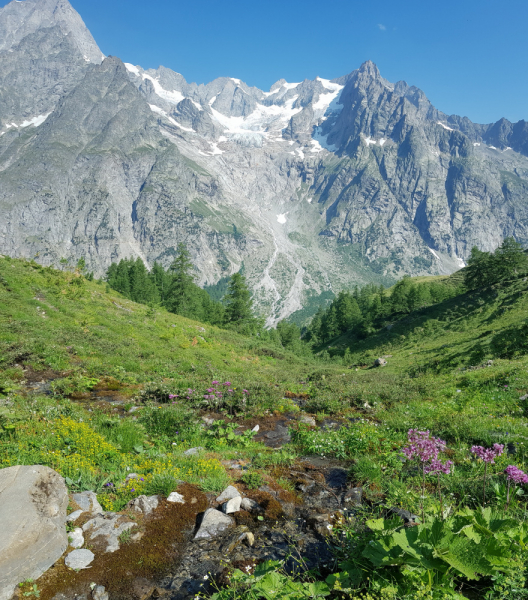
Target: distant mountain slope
{"type": "Point", "coordinates": [310, 187]}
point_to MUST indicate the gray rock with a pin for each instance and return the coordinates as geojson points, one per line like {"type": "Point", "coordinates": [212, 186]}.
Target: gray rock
{"type": "Point", "coordinates": [307, 420]}
{"type": "Point", "coordinates": [406, 515]}
{"type": "Point", "coordinates": [525, 397]}
{"type": "Point", "coordinates": [109, 527]}
{"type": "Point", "coordinates": [175, 497]}
{"type": "Point", "coordinates": [354, 496]}
{"type": "Point", "coordinates": [79, 559]}
{"type": "Point", "coordinates": [228, 493]}
{"type": "Point", "coordinates": [193, 451]}
{"type": "Point", "coordinates": [74, 516]}
{"type": "Point", "coordinates": [380, 362]}
{"type": "Point", "coordinates": [250, 505]}
{"type": "Point", "coordinates": [232, 506]}
{"type": "Point", "coordinates": [234, 539]}
{"type": "Point", "coordinates": [33, 503]}
{"type": "Point", "coordinates": [87, 501]}
{"type": "Point", "coordinates": [144, 504]}
{"type": "Point", "coordinates": [99, 593]}
{"type": "Point", "coordinates": [131, 476]}
{"type": "Point", "coordinates": [213, 523]}
{"type": "Point", "coordinates": [76, 538]}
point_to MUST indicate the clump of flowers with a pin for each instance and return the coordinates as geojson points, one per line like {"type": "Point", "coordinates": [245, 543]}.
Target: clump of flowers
{"type": "Point", "coordinates": [515, 475]}
{"type": "Point", "coordinates": [488, 455]}
{"type": "Point", "coordinates": [425, 448]}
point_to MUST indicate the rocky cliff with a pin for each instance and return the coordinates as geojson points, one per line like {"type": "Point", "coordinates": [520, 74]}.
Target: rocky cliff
{"type": "Point", "coordinates": [309, 187]}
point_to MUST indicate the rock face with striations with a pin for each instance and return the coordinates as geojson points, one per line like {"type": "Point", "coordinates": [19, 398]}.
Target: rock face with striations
{"type": "Point", "coordinates": [313, 186]}
{"type": "Point", "coordinates": [33, 502]}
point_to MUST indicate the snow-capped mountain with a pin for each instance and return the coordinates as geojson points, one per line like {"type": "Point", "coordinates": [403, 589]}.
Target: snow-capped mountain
{"type": "Point", "coordinates": [310, 186]}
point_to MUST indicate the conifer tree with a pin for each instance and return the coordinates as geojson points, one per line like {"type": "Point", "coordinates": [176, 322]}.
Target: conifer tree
{"type": "Point", "coordinates": [180, 296]}
{"type": "Point", "coordinates": [238, 302]}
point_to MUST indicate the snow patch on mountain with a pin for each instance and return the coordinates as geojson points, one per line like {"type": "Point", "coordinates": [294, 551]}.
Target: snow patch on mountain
{"type": "Point", "coordinates": [261, 121]}
{"type": "Point", "coordinates": [161, 112]}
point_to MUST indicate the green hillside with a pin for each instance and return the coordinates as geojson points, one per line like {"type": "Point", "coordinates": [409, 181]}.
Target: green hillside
{"type": "Point", "coordinates": [108, 387]}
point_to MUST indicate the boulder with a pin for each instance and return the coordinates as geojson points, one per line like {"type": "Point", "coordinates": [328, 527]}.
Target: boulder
{"type": "Point", "coordinates": [144, 504]}
{"type": "Point", "coordinates": [213, 523]}
{"type": "Point", "coordinates": [79, 559]}
{"type": "Point", "coordinates": [307, 420]}
{"type": "Point", "coordinates": [228, 493]}
{"type": "Point", "coordinates": [87, 502]}
{"type": "Point", "coordinates": [33, 504]}
{"type": "Point", "coordinates": [231, 506]}
{"type": "Point", "coordinates": [109, 526]}
{"type": "Point", "coordinates": [380, 362]}
{"type": "Point", "coordinates": [76, 538]}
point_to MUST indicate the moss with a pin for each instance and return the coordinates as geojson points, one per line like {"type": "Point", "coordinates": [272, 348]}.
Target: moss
{"type": "Point", "coordinates": [164, 538]}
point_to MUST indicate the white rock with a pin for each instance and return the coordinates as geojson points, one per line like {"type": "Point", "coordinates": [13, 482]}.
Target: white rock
{"type": "Point", "coordinates": [76, 538]}
{"type": "Point", "coordinates": [175, 497]}
{"type": "Point", "coordinates": [228, 493]}
{"type": "Point", "coordinates": [110, 527]}
{"type": "Point", "coordinates": [213, 523]}
{"type": "Point", "coordinates": [99, 593]}
{"type": "Point", "coordinates": [144, 504]}
{"type": "Point", "coordinates": [74, 516]}
{"type": "Point", "coordinates": [79, 559]}
{"type": "Point", "coordinates": [231, 506]}
{"type": "Point", "coordinates": [33, 503]}
{"type": "Point", "coordinates": [87, 501]}
{"type": "Point", "coordinates": [256, 428]}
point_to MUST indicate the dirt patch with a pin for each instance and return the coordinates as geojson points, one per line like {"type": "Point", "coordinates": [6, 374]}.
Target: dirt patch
{"type": "Point", "coordinates": [165, 535]}
{"type": "Point", "coordinates": [31, 376]}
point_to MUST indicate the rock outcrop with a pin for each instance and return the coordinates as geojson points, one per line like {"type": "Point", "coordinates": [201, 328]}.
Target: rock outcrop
{"type": "Point", "coordinates": [33, 503]}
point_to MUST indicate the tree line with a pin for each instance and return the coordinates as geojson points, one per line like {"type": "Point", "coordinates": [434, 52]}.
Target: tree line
{"type": "Point", "coordinates": [363, 310]}
{"type": "Point", "coordinates": [486, 268]}
{"type": "Point", "coordinates": [175, 289]}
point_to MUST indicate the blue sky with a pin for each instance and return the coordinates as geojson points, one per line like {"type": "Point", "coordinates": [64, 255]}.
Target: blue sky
{"type": "Point", "coordinates": [470, 57]}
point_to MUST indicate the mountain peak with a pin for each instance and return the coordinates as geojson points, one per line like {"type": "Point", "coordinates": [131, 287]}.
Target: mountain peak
{"type": "Point", "coordinates": [19, 19]}
{"type": "Point", "coordinates": [369, 68]}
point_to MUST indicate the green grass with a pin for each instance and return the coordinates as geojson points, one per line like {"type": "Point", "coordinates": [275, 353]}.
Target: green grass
{"type": "Point", "coordinates": [56, 325]}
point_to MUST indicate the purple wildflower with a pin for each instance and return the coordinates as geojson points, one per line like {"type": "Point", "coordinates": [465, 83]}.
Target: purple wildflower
{"type": "Point", "coordinates": [436, 466]}
{"type": "Point", "coordinates": [227, 383]}
{"type": "Point", "coordinates": [141, 479]}
{"type": "Point", "coordinates": [488, 454]}
{"type": "Point", "coordinates": [515, 474]}
{"type": "Point", "coordinates": [132, 490]}
{"type": "Point", "coordinates": [423, 446]}
{"type": "Point", "coordinates": [210, 390]}
{"type": "Point", "coordinates": [215, 382]}
{"type": "Point", "coordinates": [245, 392]}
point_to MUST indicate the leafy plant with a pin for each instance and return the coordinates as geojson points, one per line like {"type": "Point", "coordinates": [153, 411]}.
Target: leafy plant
{"type": "Point", "coordinates": [269, 582]}
{"type": "Point", "coordinates": [466, 546]}
{"type": "Point", "coordinates": [224, 433]}
{"type": "Point", "coordinates": [252, 479]}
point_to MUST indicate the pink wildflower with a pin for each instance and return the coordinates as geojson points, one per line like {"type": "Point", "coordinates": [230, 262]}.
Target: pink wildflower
{"type": "Point", "coordinates": [515, 474]}
{"type": "Point", "coordinates": [488, 454]}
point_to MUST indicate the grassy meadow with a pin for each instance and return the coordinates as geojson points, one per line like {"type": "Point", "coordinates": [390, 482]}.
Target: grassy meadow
{"type": "Point", "coordinates": [98, 387]}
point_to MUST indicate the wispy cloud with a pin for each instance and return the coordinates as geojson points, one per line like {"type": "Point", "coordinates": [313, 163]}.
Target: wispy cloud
{"type": "Point", "coordinates": [382, 27]}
